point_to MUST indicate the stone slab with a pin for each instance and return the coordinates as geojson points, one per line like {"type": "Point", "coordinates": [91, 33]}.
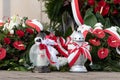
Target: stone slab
{"type": "Point", "coordinates": [19, 75]}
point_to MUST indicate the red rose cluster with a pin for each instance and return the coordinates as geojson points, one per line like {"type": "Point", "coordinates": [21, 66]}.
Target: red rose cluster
{"type": "Point", "coordinates": [16, 40]}
{"type": "Point", "coordinates": [103, 6]}
{"type": "Point", "coordinates": [101, 39]}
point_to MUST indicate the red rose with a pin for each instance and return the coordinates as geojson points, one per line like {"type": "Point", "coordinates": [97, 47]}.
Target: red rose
{"type": "Point", "coordinates": [2, 53]}
{"type": "Point", "coordinates": [113, 42]}
{"type": "Point", "coordinates": [115, 11]}
{"type": "Point", "coordinates": [105, 10]}
{"type": "Point", "coordinates": [20, 33]}
{"type": "Point", "coordinates": [116, 1]}
{"type": "Point", "coordinates": [19, 45]}
{"type": "Point", "coordinates": [102, 7]}
{"type": "Point", "coordinates": [95, 42]}
{"type": "Point", "coordinates": [91, 2]}
{"type": "Point", "coordinates": [103, 53]}
{"type": "Point", "coordinates": [99, 33]}
{"type": "Point", "coordinates": [7, 40]}
{"type": "Point", "coordinates": [102, 3]}
{"type": "Point", "coordinates": [29, 30]}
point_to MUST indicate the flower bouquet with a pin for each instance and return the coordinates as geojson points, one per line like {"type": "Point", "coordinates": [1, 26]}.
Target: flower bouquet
{"type": "Point", "coordinates": [16, 39]}
{"type": "Point", "coordinates": [90, 12]}
{"type": "Point", "coordinates": [104, 42]}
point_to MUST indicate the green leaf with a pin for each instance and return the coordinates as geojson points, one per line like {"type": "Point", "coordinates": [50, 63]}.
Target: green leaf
{"type": "Point", "coordinates": [21, 68]}
{"type": "Point", "coordinates": [68, 32]}
{"type": "Point", "coordinates": [107, 23]}
{"type": "Point", "coordinates": [96, 67]}
{"type": "Point", "coordinates": [100, 18]}
{"type": "Point", "coordinates": [90, 18]}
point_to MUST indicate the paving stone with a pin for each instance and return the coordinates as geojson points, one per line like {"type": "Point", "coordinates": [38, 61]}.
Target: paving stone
{"type": "Point", "coordinates": [19, 75]}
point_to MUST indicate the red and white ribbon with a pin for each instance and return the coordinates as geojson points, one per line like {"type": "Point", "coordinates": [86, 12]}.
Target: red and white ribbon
{"type": "Point", "coordinates": [43, 46]}
{"type": "Point", "coordinates": [60, 44]}
{"type": "Point", "coordinates": [113, 32]}
{"type": "Point", "coordinates": [76, 12]}
{"type": "Point", "coordinates": [77, 51]}
{"type": "Point", "coordinates": [60, 47]}
{"type": "Point", "coordinates": [35, 24]}
{"type": "Point", "coordinates": [51, 52]}
{"type": "Point", "coordinates": [69, 39]}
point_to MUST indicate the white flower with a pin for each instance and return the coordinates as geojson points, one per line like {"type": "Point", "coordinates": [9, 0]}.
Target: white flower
{"type": "Point", "coordinates": [9, 26]}
{"type": "Point", "coordinates": [62, 61]}
{"type": "Point", "coordinates": [15, 21]}
{"type": "Point", "coordinates": [11, 31]}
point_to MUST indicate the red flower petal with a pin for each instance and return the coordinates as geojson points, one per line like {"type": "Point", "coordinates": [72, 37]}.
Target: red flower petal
{"type": "Point", "coordinates": [103, 53]}
{"type": "Point", "coordinates": [95, 42]}
{"type": "Point", "coordinates": [105, 10]}
{"type": "Point", "coordinates": [113, 42]}
{"type": "Point", "coordinates": [20, 33]}
{"type": "Point", "coordinates": [19, 45]}
{"type": "Point", "coordinates": [102, 7]}
{"type": "Point", "coordinates": [115, 11]}
{"type": "Point", "coordinates": [2, 53]}
{"type": "Point", "coordinates": [91, 2]}
{"type": "Point", "coordinates": [7, 40]}
{"type": "Point", "coordinates": [99, 33]}
{"type": "Point", "coordinates": [102, 3]}
{"type": "Point", "coordinates": [116, 1]}
{"type": "Point", "coordinates": [29, 30]}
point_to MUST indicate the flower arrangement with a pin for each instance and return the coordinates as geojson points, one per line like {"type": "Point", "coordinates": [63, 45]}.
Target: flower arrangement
{"type": "Point", "coordinates": [105, 7]}
{"type": "Point", "coordinates": [16, 39]}
{"type": "Point", "coordinates": [104, 42]}
{"type": "Point", "coordinates": [106, 12]}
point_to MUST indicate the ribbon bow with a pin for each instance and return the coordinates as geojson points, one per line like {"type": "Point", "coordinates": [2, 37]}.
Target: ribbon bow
{"type": "Point", "coordinates": [78, 51]}
{"type": "Point", "coordinates": [50, 51]}
{"type": "Point", "coordinates": [60, 44]}
{"type": "Point", "coordinates": [43, 46]}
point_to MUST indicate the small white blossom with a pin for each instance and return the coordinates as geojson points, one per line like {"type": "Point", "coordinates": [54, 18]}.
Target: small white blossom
{"type": "Point", "coordinates": [62, 61]}
{"type": "Point", "coordinates": [11, 31]}
{"type": "Point", "coordinates": [15, 21]}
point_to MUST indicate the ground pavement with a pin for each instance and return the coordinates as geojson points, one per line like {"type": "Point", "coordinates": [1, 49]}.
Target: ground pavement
{"type": "Point", "coordinates": [18, 75]}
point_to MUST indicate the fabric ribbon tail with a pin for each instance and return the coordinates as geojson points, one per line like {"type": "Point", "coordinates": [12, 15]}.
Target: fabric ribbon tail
{"type": "Point", "coordinates": [76, 12]}
{"type": "Point", "coordinates": [72, 58]}
{"type": "Point", "coordinates": [60, 49]}
{"type": "Point", "coordinates": [113, 32]}
{"type": "Point", "coordinates": [35, 24]}
{"type": "Point", "coordinates": [87, 55]}
{"type": "Point", "coordinates": [53, 53]}
{"type": "Point", "coordinates": [49, 55]}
